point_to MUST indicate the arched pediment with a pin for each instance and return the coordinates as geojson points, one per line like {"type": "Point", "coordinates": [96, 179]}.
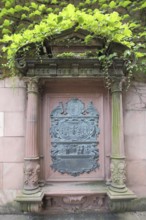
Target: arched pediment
{"type": "Point", "coordinates": [70, 41]}
{"type": "Point", "coordinates": [65, 54]}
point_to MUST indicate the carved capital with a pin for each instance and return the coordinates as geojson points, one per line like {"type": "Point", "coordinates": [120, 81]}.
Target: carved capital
{"type": "Point", "coordinates": [31, 176]}
{"type": "Point", "coordinates": [32, 84]}
{"type": "Point", "coordinates": [117, 84]}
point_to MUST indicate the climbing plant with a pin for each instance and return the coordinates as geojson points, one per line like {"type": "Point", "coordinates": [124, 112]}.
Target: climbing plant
{"type": "Point", "coordinates": [23, 22]}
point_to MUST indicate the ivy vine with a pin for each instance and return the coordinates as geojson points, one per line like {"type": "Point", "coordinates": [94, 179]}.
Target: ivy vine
{"type": "Point", "coordinates": [27, 22]}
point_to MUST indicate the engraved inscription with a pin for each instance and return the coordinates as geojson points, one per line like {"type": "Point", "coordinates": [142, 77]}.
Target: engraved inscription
{"type": "Point", "coordinates": [74, 132]}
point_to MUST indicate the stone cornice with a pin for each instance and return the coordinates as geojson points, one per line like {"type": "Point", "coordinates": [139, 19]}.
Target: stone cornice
{"type": "Point", "coordinates": [66, 67]}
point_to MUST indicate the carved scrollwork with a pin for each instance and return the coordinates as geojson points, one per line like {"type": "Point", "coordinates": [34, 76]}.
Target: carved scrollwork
{"type": "Point", "coordinates": [21, 63]}
{"type": "Point", "coordinates": [31, 175]}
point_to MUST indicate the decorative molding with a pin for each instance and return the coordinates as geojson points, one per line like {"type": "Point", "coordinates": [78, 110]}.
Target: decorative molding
{"type": "Point", "coordinates": [74, 70]}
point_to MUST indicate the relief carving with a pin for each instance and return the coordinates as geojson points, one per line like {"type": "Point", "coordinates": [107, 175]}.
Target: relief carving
{"type": "Point", "coordinates": [75, 203]}
{"type": "Point", "coordinates": [31, 175]}
{"type": "Point", "coordinates": [74, 132]}
{"type": "Point", "coordinates": [74, 199]}
{"type": "Point", "coordinates": [118, 175]}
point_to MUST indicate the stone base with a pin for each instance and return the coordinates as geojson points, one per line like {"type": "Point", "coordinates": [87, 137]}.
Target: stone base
{"type": "Point", "coordinates": [33, 191]}
{"type": "Point", "coordinates": [125, 194]}
{"type": "Point", "coordinates": [31, 202]}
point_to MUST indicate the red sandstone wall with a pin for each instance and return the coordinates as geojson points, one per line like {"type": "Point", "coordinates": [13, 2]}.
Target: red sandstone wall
{"type": "Point", "coordinates": [12, 131]}
{"type": "Point", "coordinates": [135, 137]}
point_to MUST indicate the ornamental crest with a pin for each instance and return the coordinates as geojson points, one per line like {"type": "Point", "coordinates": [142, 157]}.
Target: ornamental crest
{"type": "Point", "coordinates": [74, 132]}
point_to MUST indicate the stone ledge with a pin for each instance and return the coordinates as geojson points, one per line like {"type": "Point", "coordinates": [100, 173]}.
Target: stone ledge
{"type": "Point", "coordinates": [75, 188]}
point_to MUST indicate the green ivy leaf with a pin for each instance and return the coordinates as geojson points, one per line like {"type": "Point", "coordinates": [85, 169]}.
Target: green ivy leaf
{"type": "Point", "coordinates": [11, 11]}
{"type": "Point", "coordinates": [6, 31]}
{"type": "Point", "coordinates": [88, 38]}
{"type": "Point", "coordinates": [18, 8]}
{"type": "Point", "coordinates": [26, 8]}
{"type": "Point", "coordinates": [139, 54]}
{"type": "Point", "coordinates": [23, 16]}
{"type": "Point", "coordinates": [54, 1]}
{"type": "Point", "coordinates": [34, 5]}
{"type": "Point", "coordinates": [104, 6]}
{"type": "Point", "coordinates": [112, 4]}
{"type": "Point", "coordinates": [59, 19]}
{"type": "Point", "coordinates": [124, 3]}
{"type": "Point", "coordinates": [143, 5]}
{"type": "Point", "coordinates": [6, 23]}
{"type": "Point", "coordinates": [42, 7]}
{"type": "Point", "coordinates": [8, 4]}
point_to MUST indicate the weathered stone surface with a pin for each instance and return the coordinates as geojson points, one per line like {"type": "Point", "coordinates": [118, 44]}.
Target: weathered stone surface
{"type": "Point", "coordinates": [2, 83]}
{"type": "Point", "coordinates": [140, 190]}
{"type": "Point", "coordinates": [1, 176]}
{"type": "Point", "coordinates": [135, 98]}
{"type": "Point", "coordinates": [134, 123]}
{"type": "Point", "coordinates": [14, 82]}
{"type": "Point", "coordinates": [135, 137]}
{"type": "Point", "coordinates": [14, 124]}
{"type": "Point", "coordinates": [11, 149]}
{"type": "Point", "coordinates": [13, 176]}
{"type": "Point", "coordinates": [86, 216]}
{"type": "Point", "coordinates": [135, 147]}
{"type": "Point", "coordinates": [136, 174]}
{"type": "Point", "coordinates": [12, 99]}
{"type": "Point", "coordinates": [1, 124]}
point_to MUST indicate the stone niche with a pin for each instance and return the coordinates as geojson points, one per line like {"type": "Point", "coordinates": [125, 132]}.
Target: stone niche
{"type": "Point", "coordinates": [66, 87]}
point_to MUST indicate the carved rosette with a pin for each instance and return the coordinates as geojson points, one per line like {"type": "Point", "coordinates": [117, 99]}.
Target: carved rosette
{"type": "Point", "coordinates": [31, 176]}
{"type": "Point", "coordinates": [118, 174]}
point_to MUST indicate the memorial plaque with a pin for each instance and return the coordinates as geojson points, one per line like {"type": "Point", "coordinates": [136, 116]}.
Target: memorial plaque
{"type": "Point", "coordinates": [74, 132]}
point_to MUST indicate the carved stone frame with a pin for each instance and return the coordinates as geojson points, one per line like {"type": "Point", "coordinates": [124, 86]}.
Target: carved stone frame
{"type": "Point", "coordinates": [36, 74]}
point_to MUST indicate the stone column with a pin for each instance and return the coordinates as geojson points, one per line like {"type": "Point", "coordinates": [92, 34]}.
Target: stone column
{"type": "Point", "coordinates": [31, 160]}
{"type": "Point", "coordinates": [31, 197]}
{"type": "Point", "coordinates": [117, 188]}
{"type": "Point", "coordinates": [117, 152]}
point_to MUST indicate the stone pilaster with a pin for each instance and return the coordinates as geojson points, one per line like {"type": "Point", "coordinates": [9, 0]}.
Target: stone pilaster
{"type": "Point", "coordinates": [117, 188]}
